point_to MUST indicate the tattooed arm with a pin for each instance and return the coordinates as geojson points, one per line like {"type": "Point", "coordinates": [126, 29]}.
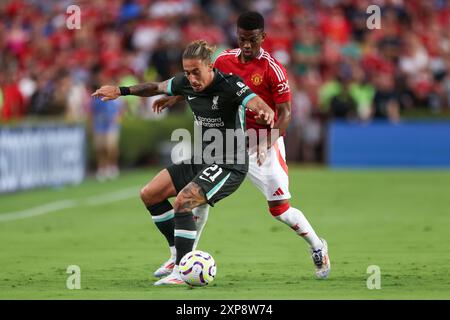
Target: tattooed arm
{"type": "Point", "coordinates": [149, 89]}
{"type": "Point", "coordinates": [143, 90]}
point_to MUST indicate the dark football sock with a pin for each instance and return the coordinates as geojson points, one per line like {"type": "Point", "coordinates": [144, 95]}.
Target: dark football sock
{"type": "Point", "coordinates": [163, 217]}
{"type": "Point", "coordinates": [185, 233]}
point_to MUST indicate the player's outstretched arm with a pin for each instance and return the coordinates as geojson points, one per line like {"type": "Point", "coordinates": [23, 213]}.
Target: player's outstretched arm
{"type": "Point", "coordinates": [149, 89]}
{"type": "Point", "coordinates": [263, 112]}
{"type": "Point", "coordinates": [142, 90]}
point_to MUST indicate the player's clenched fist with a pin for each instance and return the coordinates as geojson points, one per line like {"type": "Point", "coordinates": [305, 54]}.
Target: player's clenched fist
{"type": "Point", "coordinates": [107, 93]}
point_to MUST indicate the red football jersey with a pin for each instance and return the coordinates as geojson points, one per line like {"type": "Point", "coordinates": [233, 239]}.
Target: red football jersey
{"type": "Point", "coordinates": [264, 75]}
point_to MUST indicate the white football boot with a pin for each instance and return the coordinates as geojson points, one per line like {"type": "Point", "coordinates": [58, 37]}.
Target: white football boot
{"type": "Point", "coordinates": [166, 268]}
{"type": "Point", "coordinates": [321, 261]}
{"type": "Point", "coordinates": [172, 279]}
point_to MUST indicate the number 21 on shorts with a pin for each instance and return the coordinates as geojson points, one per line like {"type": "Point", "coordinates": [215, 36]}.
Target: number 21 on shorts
{"type": "Point", "coordinates": [211, 173]}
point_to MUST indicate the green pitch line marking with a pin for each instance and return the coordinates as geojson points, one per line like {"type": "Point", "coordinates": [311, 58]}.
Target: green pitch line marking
{"type": "Point", "coordinates": [70, 203]}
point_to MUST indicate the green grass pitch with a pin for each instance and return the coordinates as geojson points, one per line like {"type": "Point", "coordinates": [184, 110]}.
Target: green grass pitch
{"type": "Point", "coordinates": [397, 220]}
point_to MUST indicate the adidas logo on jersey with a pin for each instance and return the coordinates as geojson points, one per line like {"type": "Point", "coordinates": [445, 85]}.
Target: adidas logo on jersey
{"type": "Point", "coordinates": [279, 192]}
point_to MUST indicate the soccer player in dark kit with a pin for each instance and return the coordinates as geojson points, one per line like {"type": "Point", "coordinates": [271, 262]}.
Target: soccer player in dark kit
{"type": "Point", "coordinates": [268, 79]}
{"type": "Point", "coordinates": [218, 102]}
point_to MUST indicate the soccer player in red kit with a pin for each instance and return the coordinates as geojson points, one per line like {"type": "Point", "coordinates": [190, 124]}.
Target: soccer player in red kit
{"type": "Point", "coordinates": [269, 172]}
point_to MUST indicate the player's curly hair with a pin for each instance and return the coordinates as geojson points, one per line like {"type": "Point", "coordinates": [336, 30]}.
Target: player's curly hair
{"type": "Point", "coordinates": [199, 49]}
{"type": "Point", "coordinates": [250, 20]}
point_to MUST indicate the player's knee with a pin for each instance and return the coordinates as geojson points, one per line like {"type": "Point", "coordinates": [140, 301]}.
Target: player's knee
{"type": "Point", "coordinates": [143, 194]}
{"type": "Point", "coordinates": [148, 196]}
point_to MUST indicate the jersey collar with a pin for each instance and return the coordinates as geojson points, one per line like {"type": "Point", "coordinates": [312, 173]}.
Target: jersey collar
{"type": "Point", "coordinates": [259, 56]}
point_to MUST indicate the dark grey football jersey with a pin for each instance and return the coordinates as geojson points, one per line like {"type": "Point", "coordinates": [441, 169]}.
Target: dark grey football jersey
{"type": "Point", "coordinates": [219, 111]}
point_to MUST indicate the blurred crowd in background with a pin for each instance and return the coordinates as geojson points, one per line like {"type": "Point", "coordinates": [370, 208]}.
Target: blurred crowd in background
{"type": "Point", "coordinates": [338, 67]}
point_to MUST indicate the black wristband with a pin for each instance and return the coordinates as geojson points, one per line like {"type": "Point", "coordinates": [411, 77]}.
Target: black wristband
{"type": "Point", "coordinates": [124, 91]}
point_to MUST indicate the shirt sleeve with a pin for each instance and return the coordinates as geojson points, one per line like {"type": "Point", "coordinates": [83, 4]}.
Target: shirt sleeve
{"type": "Point", "coordinates": [218, 62]}
{"type": "Point", "coordinates": [176, 85]}
{"type": "Point", "coordinates": [279, 83]}
{"type": "Point", "coordinates": [243, 94]}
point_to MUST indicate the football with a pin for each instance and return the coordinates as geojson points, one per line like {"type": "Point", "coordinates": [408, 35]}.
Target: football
{"type": "Point", "coordinates": [197, 268]}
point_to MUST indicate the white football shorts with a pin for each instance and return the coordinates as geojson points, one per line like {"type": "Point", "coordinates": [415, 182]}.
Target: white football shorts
{"type": "Point", "coordinates": [272, 176]}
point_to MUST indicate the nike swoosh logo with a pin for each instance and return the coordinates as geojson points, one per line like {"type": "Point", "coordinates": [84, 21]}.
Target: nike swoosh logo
{"type": "Point", "coordinates": [190, 98]}
{"type": "Point", "coordinates": [200, 177]}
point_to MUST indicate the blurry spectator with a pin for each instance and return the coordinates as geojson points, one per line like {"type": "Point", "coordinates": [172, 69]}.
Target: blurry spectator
{"type": "Point", "coordinates": [306, 49]}
{"type": "Point", "coordinates": [147, 33]}
{"type": "Point", "coordinates": [221, 10]}
{"type": "Point", "coordinates": [1, 99]}
{"type": "Point", "coordinates": [130, 10]}
{"type": "Point", "coordinates": [105, 123]}
{"type": "Point", "coordinates": [386, 100]}
{"type": "Point", "coordinates": [17, 37]}
{"type": "Point", "coordinates": [280, 37]}
{"type": "Point", "coordinates": [389, 38]}
{"type": "Point", "coordinates": [358, 17]}
{"type": "Point", "coordinates": [40, 101]}
{"type": "Point", "coordinates": [50, 98]}
{"type": "Point", "coordinates": [78, 99]}
{"type": "Point", "coordinates": [334, 25]}
{"type": "Point", "coordinates": [436, 41]}
{"type": "Point", "coordinates": [342, 105]}
{"type": "Point", "coordinates": [304, 133]}
{"type": "Point", "coordinates": [414, 63]}
{"type": "Point", "coordinates": [169, 8]}
{"type": "Point", "coordinates": [27, 86]}
{"type": "Point", "coordinates": [111, 55]}
{"type": "Point", "coordinates": [262, 6]}
{"type": "Point", "coordinates": [60, 97]}
{"type": "Point", "coordinates": [351, 51]}
{"type": "Point", "coordinates": [447, 88]}
{"type": "Point", "coordinates": [362, 92]}
{"type": "Point", "coordinates": [164, 57]}
{"type": "Point", "coordinates": [13, 104]}
{"type": "Point", "coordinates": [329, 89]}
{"type": "Point", "coordinates": [202, 26]}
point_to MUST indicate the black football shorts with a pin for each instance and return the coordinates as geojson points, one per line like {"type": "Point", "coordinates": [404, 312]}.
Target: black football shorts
{"type": "Point", "coordinates": [217, 181]}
